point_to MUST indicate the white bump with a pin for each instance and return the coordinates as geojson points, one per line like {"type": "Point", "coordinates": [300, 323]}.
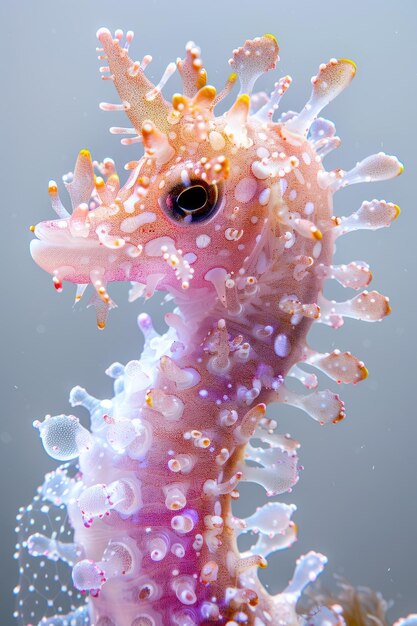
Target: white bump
{"type": "Point", "coordinates": [262, 152]}
{"type": "Point", "coordinates": [202, 241]}
{"type": "Point", "coordinates": [259, 170]}
{"type": "Point", "coordinates": [245, 189]}
{"type": "Point", "coordinates": [264, 196]}
{"type": "Point", "coordinates": [283, 184]}
{"type": "Point", "coordinates": [306, 158]}
{"type": "Point", "coordinates": [317, 249]}
{"type": "Point", "coordinates": [130, 224]}
{"type": "Point", "coordinates": [217, 140]}
{"type": "Point", "coordinates": [190, 257]}
{"type": "Point", "coordinates": [282, 345]}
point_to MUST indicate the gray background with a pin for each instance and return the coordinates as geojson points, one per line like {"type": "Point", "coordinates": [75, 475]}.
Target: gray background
{"type": "Point", "coordinates": [357, 496]}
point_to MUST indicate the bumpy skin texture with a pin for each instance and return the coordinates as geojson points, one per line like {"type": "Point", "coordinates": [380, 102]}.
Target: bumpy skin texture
{"type": "Point", "coordinates": [232, 217]}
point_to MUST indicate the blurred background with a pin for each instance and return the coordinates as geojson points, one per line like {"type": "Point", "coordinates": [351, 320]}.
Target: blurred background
{"type": "Point", "coordinates": [357, 498]}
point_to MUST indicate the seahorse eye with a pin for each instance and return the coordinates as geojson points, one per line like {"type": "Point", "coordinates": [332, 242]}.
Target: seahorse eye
{"type": "Point", "coordinates": [195, 202]}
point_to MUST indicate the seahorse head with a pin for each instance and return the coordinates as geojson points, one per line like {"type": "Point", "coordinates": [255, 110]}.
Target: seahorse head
{"type": "Point", "coordinates": [216, 203]}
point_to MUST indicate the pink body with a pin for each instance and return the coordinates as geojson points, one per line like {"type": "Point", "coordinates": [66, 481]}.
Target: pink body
{"type": "Point", "coordinates": [232, 217]}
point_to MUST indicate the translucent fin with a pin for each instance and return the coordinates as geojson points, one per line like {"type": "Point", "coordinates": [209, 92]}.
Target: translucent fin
{"type": "Point", "coordinates": [308, 379]}
{"type": "Point", "coordinates": [355, 275]}
{"type": "Point", "coordinates": [342, 367]}
{"type": "Point", "coordinates": [253, 59]}
{"type": "Point", "coordinates": [371, 216]}
{"type": "Point", "coordinates": [308, 568]}
{"type": "Point", "coordinates": [40, 545]}
{"type": "Point", "coordinates": [368, 306]}
{"type": "Point", "coordinates": [374, 168]}
{"type": "Point", "coordinates": [323, 406]}
{"type": "Point", "coordinates": [322, 136]}
{"type": "Point", "coordinates": [279, 461]}
{"type": "Point", "coordinates": [120, 559]}
{"type": "Point", "coordinates": [332, 79]}
{"type": "Point", "coordinates": [63, 437]}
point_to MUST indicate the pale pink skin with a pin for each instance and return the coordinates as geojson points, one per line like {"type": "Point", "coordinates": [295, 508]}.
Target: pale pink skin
{"type": "Point", "coordinates": [244, 309]}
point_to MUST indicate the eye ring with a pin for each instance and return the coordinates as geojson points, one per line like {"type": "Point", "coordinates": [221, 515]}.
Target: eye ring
{"type": "Point", "coordinates": [192, 203]}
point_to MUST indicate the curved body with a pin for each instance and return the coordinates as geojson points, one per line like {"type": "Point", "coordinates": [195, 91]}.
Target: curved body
{"type": "Point", "coordinates": [231, 216]}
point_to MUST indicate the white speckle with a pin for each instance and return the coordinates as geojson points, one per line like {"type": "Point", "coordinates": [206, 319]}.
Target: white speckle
{"type": "Point", "coordinates": [202, 241]}
{"type": "Point", "coordinates": [264, 196]}
{"type": "Point", "coordinates": [309, 208]}
{"type": "Point", "coordinates": [190, 257]}
{"type": "Point", "coordinates": [283, 184]}
{"type": "Point", "coordinates": [259, 170]}
{"type": "Point", "coordinates": [130, 224]}
{"type": "Point", "coordinates": [217, 227]}
{"type": "Point", "coordinates": [217, 140]}
{"type": "Point", "coordinates": [306, 158]}
{"type": "Point", "coordinates": [262, 152]}
{"type": "Point", "coordinates": [317, 249]}
{"type": "Point", "coordinates": [254, 219]}
{"type": "Point", "coordinates": [293, 194]}
{"type": "Point", "coordinates": [245, 189]}
{"type": "Point", "coordinates": [282, 345]}
{"type": "Point", "coordinates": [185, 178]}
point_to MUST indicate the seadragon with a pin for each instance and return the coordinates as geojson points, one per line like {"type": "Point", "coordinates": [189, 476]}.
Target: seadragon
{"type": "Point", "coordinates": [231, 216]}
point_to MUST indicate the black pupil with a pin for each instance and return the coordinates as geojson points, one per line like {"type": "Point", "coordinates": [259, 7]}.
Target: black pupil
{"type": "Point", "coordinates": [195, 202]}
{"type": "Point", "coordinates": [192, 198]}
